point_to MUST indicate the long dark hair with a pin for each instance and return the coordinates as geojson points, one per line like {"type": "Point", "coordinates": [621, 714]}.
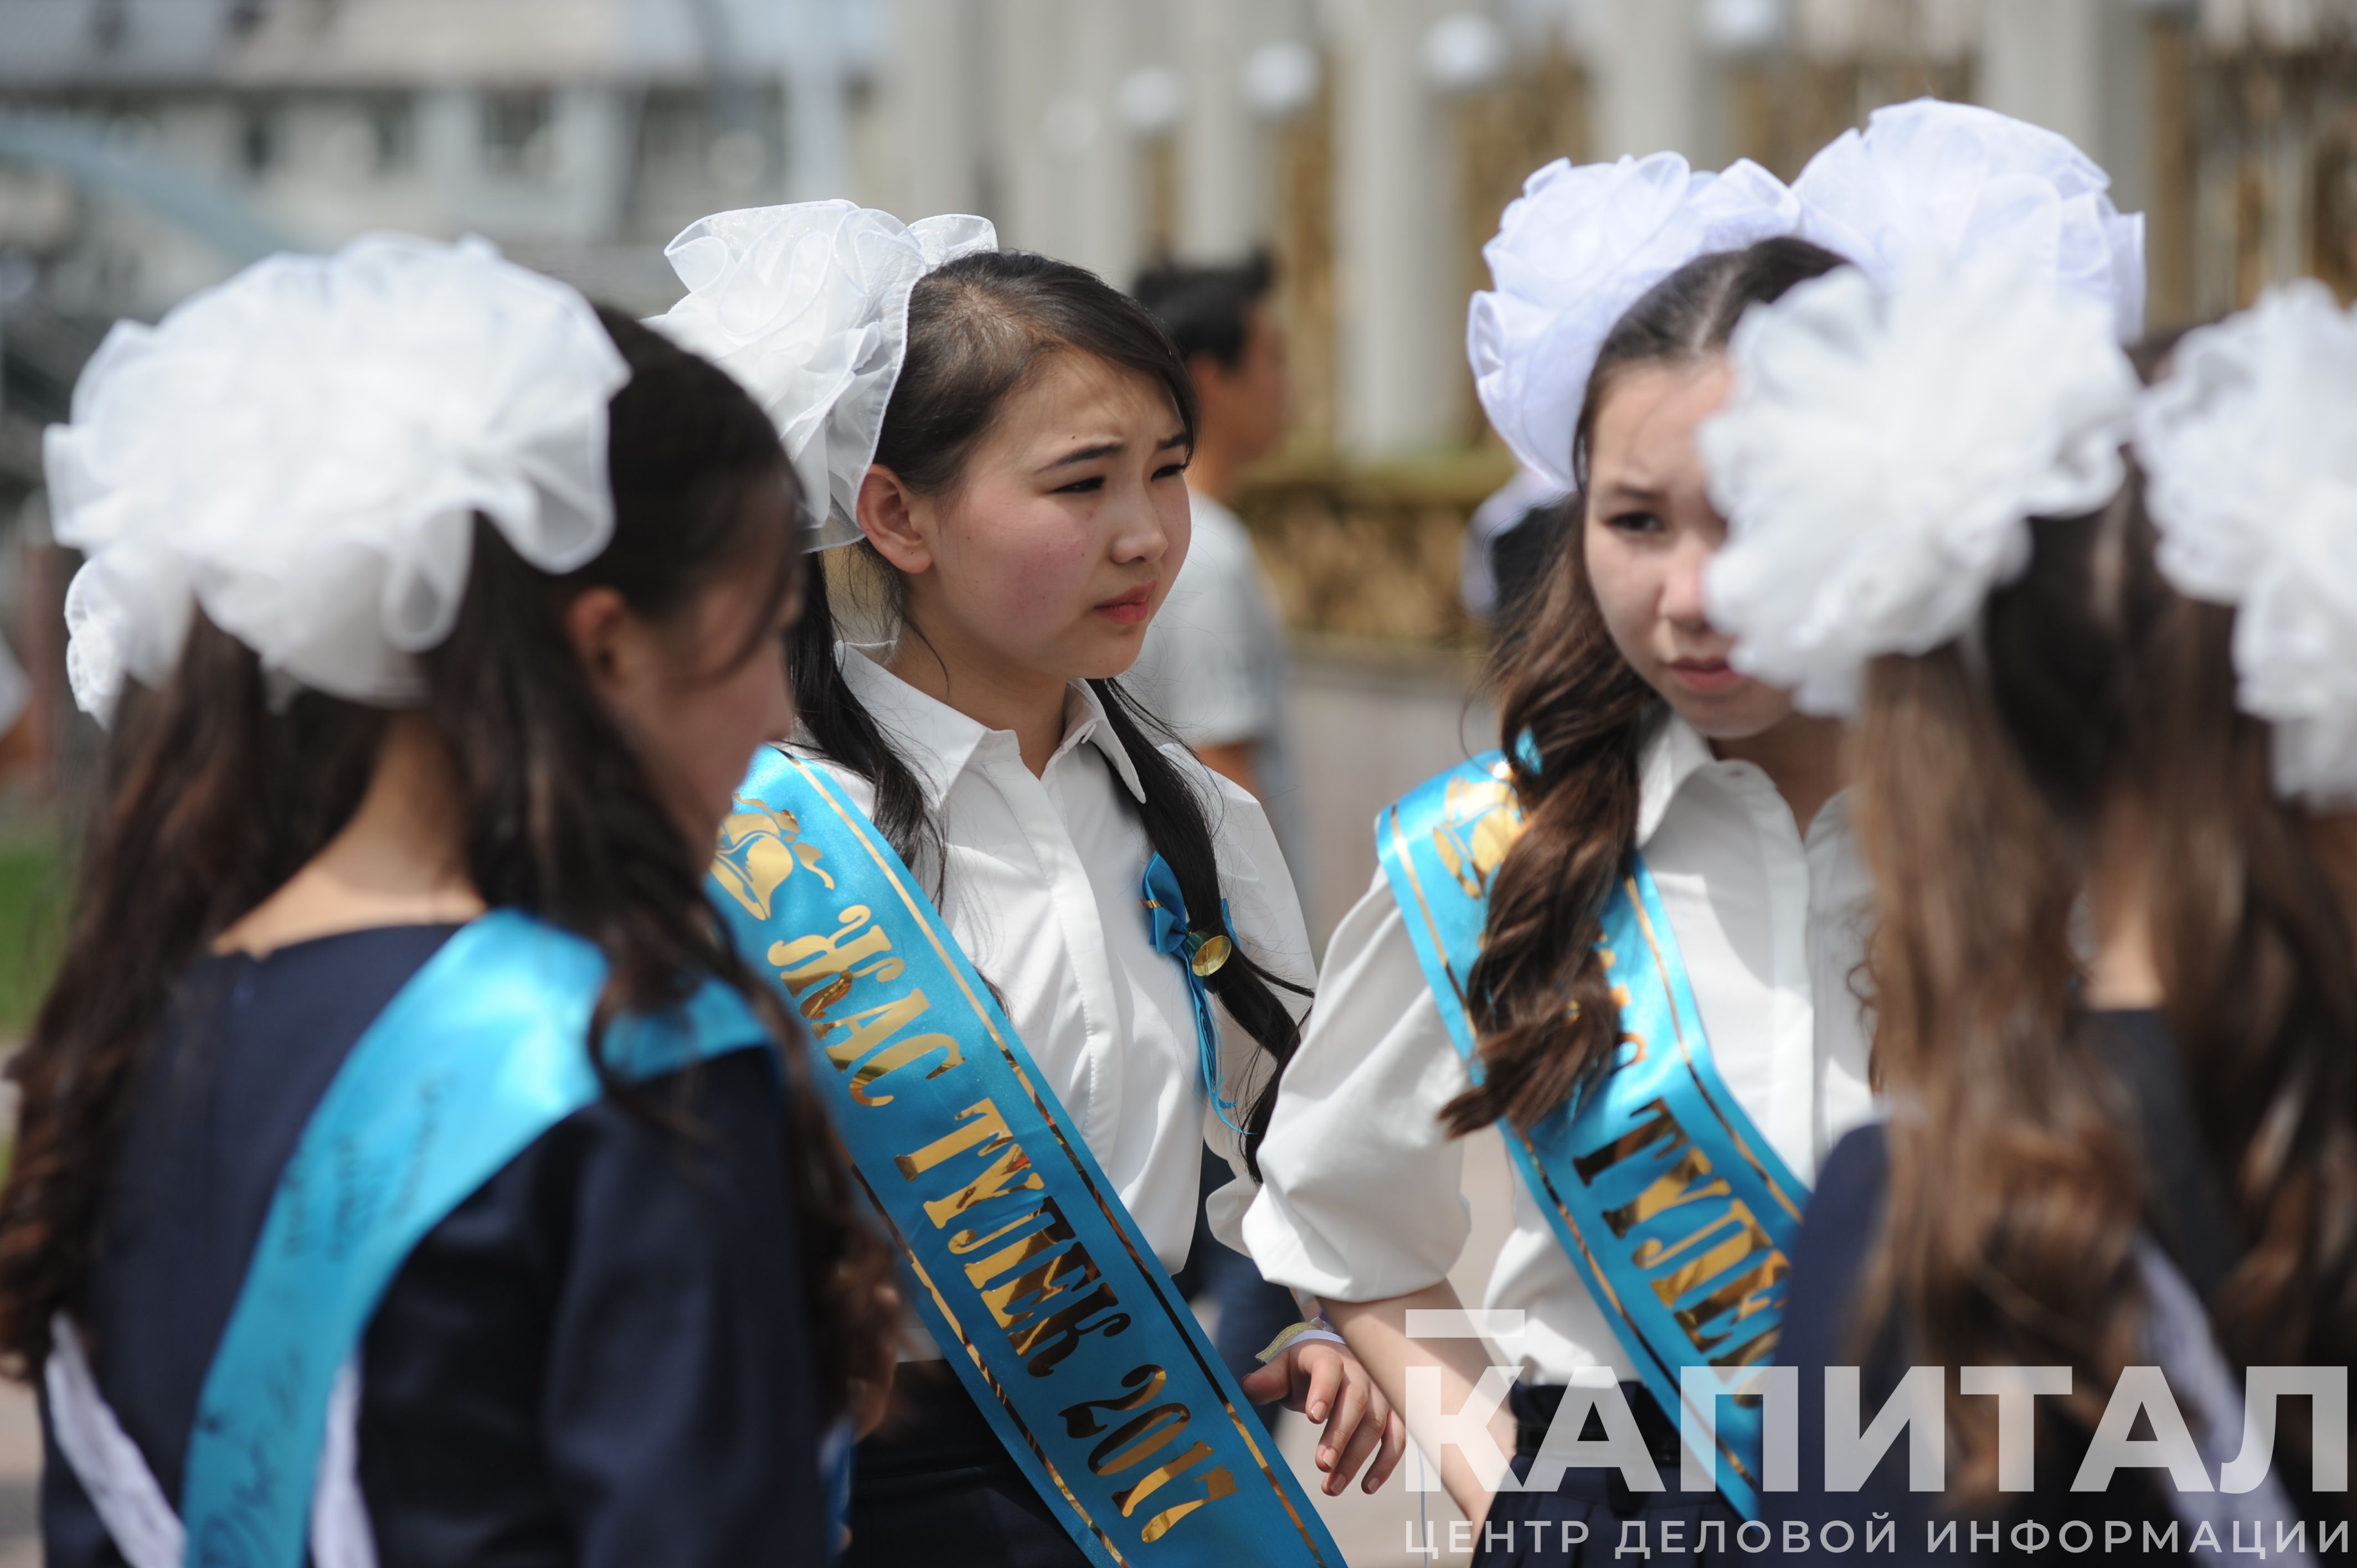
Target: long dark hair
{"type": "Point", "coordinates": [1978, 780]}
{"type": "Point", "coordinates": [2099, 696]}
{"type": "Point", "coordinates": [1538, 997]}
{"type": "Point", "coordinates": [213, 800]}
{"type": "Point", "coordinates": [978, 330]}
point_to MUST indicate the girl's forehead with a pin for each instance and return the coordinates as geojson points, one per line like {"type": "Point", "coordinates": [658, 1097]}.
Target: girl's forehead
{"type": "Point", "coordinates": [1075, 394]}
{"type": "Point", "coordinates": [1652, 412]}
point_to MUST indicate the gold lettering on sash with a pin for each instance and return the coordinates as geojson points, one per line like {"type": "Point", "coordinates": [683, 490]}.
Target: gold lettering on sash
{"type": "Point", "coordinates": [1681, 1184]}
{"type": "Point", "coordinates": [1017, 1304]}
{"type": "Point", "coordinates": [1728, 1239]}
{"type": "Point", "coordinates": [1657, 1125]}
{"type": "Point", "coordinates": [1060, 1335]}
{"type": "Point", "coordinates": [1161, 1476]}
{"type": "Point", "coordinates": [1731, 1253]}
{"type": "Point", "coordinates": [1479, 824]}
{"type": "Point", "coordinates": [984, 1136]}
{"type": "Point", "coordinates": [759, 849]}
{"type": "Point", "coordinates": [1217, 1484]}
{"type": "Point", "coordinates": [964, 1241]}
{"type": "Point", "coordinates": [986, 1125]}
{"type": "Point", "coordinates": [1144, 1384]}
{"type": "Point", "coordinates": [826, 966]}
{"type": "Point", "coordinates": [871, 1026]}
{"type": "Point", "coordinates": [1137, 1440]}
{"type": "Point", "coordinates": [893, 1058]}
{"type": "Point", "coordinates": [1053, 1235]}
{"type": "Point", "coordinates": [1747, 1297]}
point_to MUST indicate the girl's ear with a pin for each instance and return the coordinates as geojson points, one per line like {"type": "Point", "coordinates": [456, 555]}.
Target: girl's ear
{"type": "Point", "coordinates": [597, 623]}
{"type": "Point", "coordinates": [896, 519]}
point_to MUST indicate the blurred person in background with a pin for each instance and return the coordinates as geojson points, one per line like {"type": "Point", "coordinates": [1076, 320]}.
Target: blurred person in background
{"type": "Point", "coordinates": [1214, 666]}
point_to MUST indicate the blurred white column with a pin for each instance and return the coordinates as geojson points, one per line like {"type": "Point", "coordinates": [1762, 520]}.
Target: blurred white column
{"type": "Point", "coordinates": [1222, 173]}
{"type": "Point", "coordinates": [1649, 74]}
{"type": "Point", "coordinates": [2043, 60]}
{"type": "Point", "coordinates": [933, 87]}
{"type": "Point", "coordinates": [818, 150]}
{"type": "Point", "coordinates": [1101, 185]}
{"type": "Point", "coordinates": [1067, 170]}
{"type": "Point", "coordinates": [1399, 293]}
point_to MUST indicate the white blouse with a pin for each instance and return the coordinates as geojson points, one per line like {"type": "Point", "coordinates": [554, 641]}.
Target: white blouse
{"type": "Point", "coordinates": [1041, 890]}
{"type": "Point", "coordinates": [1361, 1201]}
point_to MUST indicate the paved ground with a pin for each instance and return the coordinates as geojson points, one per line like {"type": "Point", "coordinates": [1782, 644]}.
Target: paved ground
{"type": "Point", "coordinates": [1375, 1532]}
{"type": "Point", "coordinates": [1365, 731]}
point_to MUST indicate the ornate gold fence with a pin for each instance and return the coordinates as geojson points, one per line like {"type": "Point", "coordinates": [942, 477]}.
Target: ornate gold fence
{"type": "Point", "coordinates": [1371, 556]}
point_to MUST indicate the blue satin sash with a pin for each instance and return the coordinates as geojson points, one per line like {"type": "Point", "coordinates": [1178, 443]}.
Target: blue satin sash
{"type": "Point", "coordinates": [480, 1053]}
{"type": "Point", "coordinates": [1032, 1276]}
{"type": "Point", "coordinates": [1677, 1212]}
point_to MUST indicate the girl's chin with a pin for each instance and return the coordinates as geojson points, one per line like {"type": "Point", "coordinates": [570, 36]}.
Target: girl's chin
{"type": "Point", "coordinates": [1738, 713]}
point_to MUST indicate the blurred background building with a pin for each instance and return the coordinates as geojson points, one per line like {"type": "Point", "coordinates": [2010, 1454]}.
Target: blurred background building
{"type": "Point", "coordinates": [150, 147]}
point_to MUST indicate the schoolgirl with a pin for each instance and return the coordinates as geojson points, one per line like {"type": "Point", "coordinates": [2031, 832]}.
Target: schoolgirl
{"type": "Point", "coordinates": [1629, 938]}
{"type": "Point", "coordinates": [2113, 968]}
{"type": "Point", "coordinates": [408, 1172]}
{"type": "Point", "coordinates": [1008, 903]}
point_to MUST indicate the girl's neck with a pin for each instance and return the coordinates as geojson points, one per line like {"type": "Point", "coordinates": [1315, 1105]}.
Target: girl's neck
{"type": "Point", "coordinates": [2124, 972]}
{"type": "Point", "coordinates": [987, 690]}
{"type": "Point", "coordinates": [1802, 756]}
{"type": "Point", "coordinates": [401, 861]}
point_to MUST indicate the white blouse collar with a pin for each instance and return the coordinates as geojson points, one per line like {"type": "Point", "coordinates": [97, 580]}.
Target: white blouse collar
{"type": "Point", "coordinates": [937, 741]}
{"type": "Point", "coordinates": [1674, 753]}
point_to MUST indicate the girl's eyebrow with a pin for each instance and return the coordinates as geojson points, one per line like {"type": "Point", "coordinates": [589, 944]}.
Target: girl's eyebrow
{"type": "Point", "coordinates": [1110, 450]}
{"type": "Point", "coordinates": [1086, 454]}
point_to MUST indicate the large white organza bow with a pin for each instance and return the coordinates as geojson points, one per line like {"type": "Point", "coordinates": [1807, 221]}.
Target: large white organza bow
{"type": "Point", "coordinates": [2251, 450]}
{"type": "Point", "coordinates": [807, 305]}
{"type": "Point", "coordinates": [302, 451]}
{"type": "Point", "coordinates": [1931, 180]}
{"type": "Point", "coordinates": [1580, 246]}
{"type": "Point", "coordinates": [1882, 453]}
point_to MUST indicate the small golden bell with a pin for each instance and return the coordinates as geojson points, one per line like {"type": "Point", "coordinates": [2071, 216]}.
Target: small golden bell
{"type": "Point", "coordinates": [1210, 955]}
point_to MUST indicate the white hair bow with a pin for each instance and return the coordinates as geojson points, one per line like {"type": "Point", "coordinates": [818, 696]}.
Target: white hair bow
{"type": "Point", "coordinates": [1882, 454]}
{"type": "Point", "coordinates": [807, 305]}
{"type": "Point", "coordinates": [303, 450]}
{"type": "Point", "coordinates": [2251, 449]}
{"type": "Point", "coordinates": [1580, 246]}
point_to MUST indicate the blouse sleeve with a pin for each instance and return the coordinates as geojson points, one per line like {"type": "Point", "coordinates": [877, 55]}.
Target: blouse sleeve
{"type": "Point", "coordinates": [1361, 1198]}
{"type": "Point", "coordinates": [656, 1273]}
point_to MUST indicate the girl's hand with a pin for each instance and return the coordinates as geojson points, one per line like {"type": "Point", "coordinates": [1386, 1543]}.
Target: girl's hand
{"type": "Point", "coordinates": [1325, 1382]}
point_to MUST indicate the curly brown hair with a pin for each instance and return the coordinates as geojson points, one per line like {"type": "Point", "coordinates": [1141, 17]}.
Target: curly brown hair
{"type": "Point", "coordinates": [1537, 995]}
{"type": "Point", "coordinates": [2092, 719]}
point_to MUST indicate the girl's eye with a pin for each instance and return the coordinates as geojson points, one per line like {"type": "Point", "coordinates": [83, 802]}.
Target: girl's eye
{"type": "Point", "coordinates": [1635, 522]}
{"type": "Point", "coordinates": [1082, 487]}
{"type": "Point", "coordinates": [1171, 471]}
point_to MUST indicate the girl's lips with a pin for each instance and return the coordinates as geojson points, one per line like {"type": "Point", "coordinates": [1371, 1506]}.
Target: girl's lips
{"type": "Point", "coordinates": [1705, 676]}
{"type": "Point", "coordinates": [1131, 607]}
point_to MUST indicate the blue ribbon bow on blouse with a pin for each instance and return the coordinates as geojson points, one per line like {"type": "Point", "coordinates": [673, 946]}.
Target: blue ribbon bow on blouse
{"type": "Point", "coordinates": [1199, 957]}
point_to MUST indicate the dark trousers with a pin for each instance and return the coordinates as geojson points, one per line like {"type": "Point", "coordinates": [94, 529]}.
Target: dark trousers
{"type": "Point", "coordinates": [934, 1485]}
{"type": "Point", "coordinates": [1527, 1530]}
{"type": "Point", "coordinates": [1251, 1311]}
